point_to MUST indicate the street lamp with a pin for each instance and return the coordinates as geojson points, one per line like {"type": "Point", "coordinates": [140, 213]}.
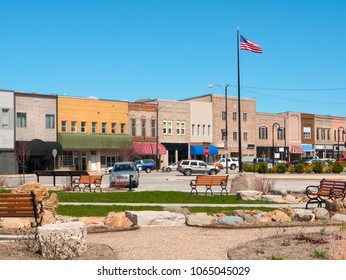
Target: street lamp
{"type": "Point", "coordinates": [274, 124]}
{"type": "Point", "coordinates": [285, 119]}
{"type": "Point", "coordinates": [226, 123]}
{"type": "Point", "coordinates": [157, 134]}
{"type": "Point", "coordinates": [343, 132]}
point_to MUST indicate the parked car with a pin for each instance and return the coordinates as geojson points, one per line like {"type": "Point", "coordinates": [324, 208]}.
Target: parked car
{"type": "Point", "coordinates": [124, 174]}
{"type": "Point", "coordinates": [169, 168]}
{"type": "Point", "coordinates": [232, 163]}
{"type": "Point", "coordinates": [146, 164]}
{"type": "Point", "coordinates": [191, 166]}
{"type": "Point", "coordinates": [260, 160]}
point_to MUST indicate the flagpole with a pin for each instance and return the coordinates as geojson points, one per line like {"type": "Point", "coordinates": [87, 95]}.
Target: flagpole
{"type": "Point", "coordinates": [239, 113]}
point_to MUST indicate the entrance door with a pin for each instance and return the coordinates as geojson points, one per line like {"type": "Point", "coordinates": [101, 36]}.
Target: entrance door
{"type": "Point", "coordinates": [93, 163]}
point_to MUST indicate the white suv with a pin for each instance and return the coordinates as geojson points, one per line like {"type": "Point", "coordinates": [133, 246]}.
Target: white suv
{"type": "Point", "coordinates": [232, 163]}
{"type": "Point", "coordinates": [191, 166]}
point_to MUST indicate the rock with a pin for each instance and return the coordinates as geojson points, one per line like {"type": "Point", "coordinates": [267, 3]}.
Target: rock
{"type": "Point", "coordinates": [273, 198]}
{"type": "Point", "coordinates": [157, 218]}
{"type": "Point", "coordinates": [338, 218]}
{"type": "Point", "coordinates": [303, 215]}
{"type": "Point", "coordinates": [49, 217]}
{"type": "Point", "coordinates": [273, 216]}
{"type": "Point", "coordinates": [248, 195]}
{"type": "Point", "coordinates": [336, 206]}
{"type": "Point", "coordinates": [93, 221]}
{"type": "Point", "coordinates": [18, 223]}
{"type": "Point", "coordinates": [230, 220]}
{"type": "Point", "coordinates": [62, 240]}
{"type": "Point", "coordinates": [177, 209]}
{"type": "Point", "coordinates": [118, 220]}
{"type": "Point", "coordinates": [287, 210]}
{"type": "Point", "coordinates": [200, 219]}
{"type": "Point", "coordinates": [321, 214]}
{"type": "Point", "coordinates": [243, 181]}
{"type": "Point", "coordinates": [53, 200]}
{"type": "Point", "coordinates": [290, 198]}
{"type": "Point", "coordinates": [40, 190]}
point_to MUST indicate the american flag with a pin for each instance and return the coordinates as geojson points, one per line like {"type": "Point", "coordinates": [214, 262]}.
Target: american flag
{"type": "Point", "coordinates": [248, 45]}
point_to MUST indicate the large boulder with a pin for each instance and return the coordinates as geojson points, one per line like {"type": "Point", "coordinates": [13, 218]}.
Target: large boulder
{"type": "Point", "coordinates": [248, 195]}
{"type": "Point", "coordinates": [243, 181]}
{"type": "Point", "coordinates": [230, 220]}
{"type": "Point", "coordinates": [303, 215]}
{"type": "Point", "coordinates": [273, 216]}
{"type": "Point", "coordinates": [338, 218]}
{"type": "Point", "coordinates": [39, 190]}
{"type": "Point", "coordinates": [321, 214]}
{"type": "Point", "coordinates": [200, 219]}
{"type": "Point", "coordinates": [156, 218]}
{"type": "Point", "coordinates": [336, 206]}
{"type": "Point", "coordinates": [118, 219]}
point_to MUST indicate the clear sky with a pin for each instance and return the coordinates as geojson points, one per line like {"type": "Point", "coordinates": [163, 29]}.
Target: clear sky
{"type": "Point", "coordinates": [173, 49]}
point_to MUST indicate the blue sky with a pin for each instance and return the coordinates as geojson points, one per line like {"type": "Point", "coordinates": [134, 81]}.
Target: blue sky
{"type": "Point", "coordinates": [173, 49]}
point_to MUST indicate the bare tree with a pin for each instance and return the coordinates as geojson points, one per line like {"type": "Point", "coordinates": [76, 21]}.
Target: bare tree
{"type": "Point", "coordinates": [22, 153]}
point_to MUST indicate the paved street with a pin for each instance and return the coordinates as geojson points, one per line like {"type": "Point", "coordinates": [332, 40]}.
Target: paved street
{"type": "Point", "coordinates": [177, 181]}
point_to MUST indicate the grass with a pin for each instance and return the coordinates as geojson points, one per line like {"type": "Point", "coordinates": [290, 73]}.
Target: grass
{"type": "Point", "coordinates": [321, 255]}
{"type": "Point", "coordinates": [151, 197]}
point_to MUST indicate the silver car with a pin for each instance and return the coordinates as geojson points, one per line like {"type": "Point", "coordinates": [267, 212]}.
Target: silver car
{"type": "Point", "coordinates": [124, 175]}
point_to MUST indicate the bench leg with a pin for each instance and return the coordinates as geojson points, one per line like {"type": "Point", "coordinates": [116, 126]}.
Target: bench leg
{"type": "Point", "coordinates": [75, 187]}
{"type": "Point", "coordinates": [208, 188]}
{"type": "Point", "coordinates": [97, 187]}
{"type": "Point", "coordinates": [223, 188]}
{"type": "Point", "coordinates": [87, 186]}
{"type": "Point", "coordinates": [194, 188]}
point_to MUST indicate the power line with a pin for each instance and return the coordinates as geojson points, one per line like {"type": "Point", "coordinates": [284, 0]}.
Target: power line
{"type": "Point", "coordinates": [296, 89]}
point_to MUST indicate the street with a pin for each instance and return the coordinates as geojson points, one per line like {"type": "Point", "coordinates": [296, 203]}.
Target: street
{"type": "Point", "coordinates": [170, 181]}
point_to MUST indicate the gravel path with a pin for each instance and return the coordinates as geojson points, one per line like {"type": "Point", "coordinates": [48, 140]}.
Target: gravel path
{"type": "Point", "coordinates": [184, 243]}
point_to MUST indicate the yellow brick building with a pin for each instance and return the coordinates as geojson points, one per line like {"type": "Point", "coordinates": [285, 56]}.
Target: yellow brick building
{"type": "Point", "coordinates": [93, 133]}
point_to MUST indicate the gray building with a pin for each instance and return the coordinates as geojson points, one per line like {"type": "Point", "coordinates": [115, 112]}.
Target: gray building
{"type": "Point", "coordinates": [7, 132]}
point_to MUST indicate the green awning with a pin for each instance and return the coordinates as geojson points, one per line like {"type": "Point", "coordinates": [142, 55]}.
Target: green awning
{"type": "Point", "coordinates": [94, 141]}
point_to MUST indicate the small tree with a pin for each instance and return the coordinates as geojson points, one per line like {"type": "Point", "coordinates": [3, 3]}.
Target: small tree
{"type": "Point", "coordinates": [22, 154]}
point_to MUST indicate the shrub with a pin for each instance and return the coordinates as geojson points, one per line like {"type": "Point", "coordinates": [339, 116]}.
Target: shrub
{"type": "Point", "coordinates": [264, 185]}
{"type": "Point", "coordinates": [318, 167]}
{"type": "Point", "coordinates": [248, 168]}
{"type": "Point", "coordinates": [337, 167]}
{"type": "Point", "coordinates": [263, 167]}
{"type": "Point", "coordinates": [299, 168]}
{"type": "Point", "coordinates": [281, 168]}
{"type": "Point", "coordinates": [290, 169]}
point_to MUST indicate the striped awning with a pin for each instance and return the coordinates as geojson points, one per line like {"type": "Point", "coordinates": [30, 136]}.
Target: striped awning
{"type": "Point", "coordinates": [296, 150]}
{"type": "Point", "coordinates": [142, 148]}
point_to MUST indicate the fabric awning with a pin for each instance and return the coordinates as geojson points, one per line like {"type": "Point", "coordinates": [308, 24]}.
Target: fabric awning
{"type": "Point", "coordinates": [142, 148]}
{"type": "Point", "coordinates": [296, 150]}
{"type": "Point", "coordinates": [199, 150]}
{"type": "Point", "coordinates": [94, 141]}
{"type": "Point", "coordinates": [39, 147]}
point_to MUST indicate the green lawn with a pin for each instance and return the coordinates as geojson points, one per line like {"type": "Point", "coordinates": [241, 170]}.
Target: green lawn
{"type": "Point", "coordinates": [151, 197]}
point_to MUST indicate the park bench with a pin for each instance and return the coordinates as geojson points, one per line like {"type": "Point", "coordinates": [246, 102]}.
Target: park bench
{"type": "Point", "coordinates": [21, 205]}
{"type": "Point", "coordinates": [332, 189]}
{"type": "Point", "coordinates": [87, 181]}
{"type": "Point", "coordinates": [208, 182]}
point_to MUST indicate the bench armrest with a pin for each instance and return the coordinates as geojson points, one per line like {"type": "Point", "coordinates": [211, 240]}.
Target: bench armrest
{"type": "Point", "coordinates": [193, 182]}
{"type": "Point", "coordinates": [337, 192]}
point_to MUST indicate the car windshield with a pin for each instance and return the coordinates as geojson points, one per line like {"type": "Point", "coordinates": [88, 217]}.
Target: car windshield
{"type": "Point", "coordinates": [123, 167]}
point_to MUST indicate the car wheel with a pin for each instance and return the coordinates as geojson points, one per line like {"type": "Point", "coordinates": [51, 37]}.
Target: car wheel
{"type": "Point", "coordinates": [168, 169]}
{"type": "Point", "coordinates": [212, 172]}
{"type": "Point", "coordinates": [187, 172]}
{"type": "Point", "coordinates": [233, 166]}
{"type": "Point", "coordinates": [148, 170]}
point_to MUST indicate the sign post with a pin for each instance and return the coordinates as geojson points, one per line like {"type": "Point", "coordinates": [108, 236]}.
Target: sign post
{"type": "Point", "coordinates": [206, 152]}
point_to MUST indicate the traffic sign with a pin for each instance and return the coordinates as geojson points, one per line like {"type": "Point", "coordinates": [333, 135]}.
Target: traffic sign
{"type": "Point", "coordinates": [206, 151]}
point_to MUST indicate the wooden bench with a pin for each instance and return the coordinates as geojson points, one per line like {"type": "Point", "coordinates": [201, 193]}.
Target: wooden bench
{"type": "Point", "coordinates": [208, 182]}
{"type": "Point", "coordinates": [332, 189]}
{"type": "Point", "coordinates": [21, 205]}
{"type": "Point", "coordinates": [87, 181]}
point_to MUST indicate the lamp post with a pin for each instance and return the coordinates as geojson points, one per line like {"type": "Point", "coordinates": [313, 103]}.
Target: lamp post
{"type": "Point", "coordinates": [226, 123]}
{"type": "Point", "coordinates": [285, 119]}
{"type": "Point", "coordinates": [274, 124]}
{"type": "Point", "coordinates": [157, 134]}
{"type": "Point", "coordinates": [343, 132]}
